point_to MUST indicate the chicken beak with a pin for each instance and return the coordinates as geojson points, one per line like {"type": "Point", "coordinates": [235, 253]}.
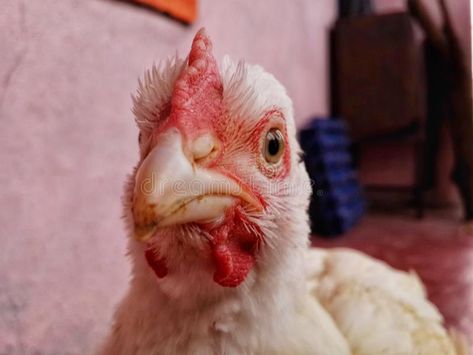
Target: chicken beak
{"type": "Point", "coordinates": [170, 189]}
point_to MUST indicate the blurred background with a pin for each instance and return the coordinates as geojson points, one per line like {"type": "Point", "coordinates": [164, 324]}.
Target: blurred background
{"type": "Point", "coordinates": [382, 95]}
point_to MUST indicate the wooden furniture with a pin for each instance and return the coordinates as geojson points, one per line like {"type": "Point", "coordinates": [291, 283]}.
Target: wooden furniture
{"type": "Point", "coordinates": [450, 92]}
{"type": "Point", "coordinates": [378, 87]}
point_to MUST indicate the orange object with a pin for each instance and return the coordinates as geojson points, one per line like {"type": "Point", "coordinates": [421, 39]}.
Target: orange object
{"type": "Point", "coordinates": [184, 10]}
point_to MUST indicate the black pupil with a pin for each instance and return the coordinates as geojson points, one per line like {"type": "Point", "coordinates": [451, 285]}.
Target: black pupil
{"type": "Point", "coordinates": [273, 144]}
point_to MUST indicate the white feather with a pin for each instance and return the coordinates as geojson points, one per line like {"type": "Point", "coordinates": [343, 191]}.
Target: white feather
{"type": "Point", "coordinates": [379, 310]}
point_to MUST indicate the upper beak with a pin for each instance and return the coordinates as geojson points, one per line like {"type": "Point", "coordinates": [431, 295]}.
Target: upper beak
{"type": "Point", "coordinates": [171, 189]}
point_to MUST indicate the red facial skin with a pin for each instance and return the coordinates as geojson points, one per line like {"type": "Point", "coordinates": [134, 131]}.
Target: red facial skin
{"type": "Point", "coordinates": [196, 107]}
{"type": "Point", "coordinates": [262, 127]}
{"type": "Point", "coordinates": [157, 263]}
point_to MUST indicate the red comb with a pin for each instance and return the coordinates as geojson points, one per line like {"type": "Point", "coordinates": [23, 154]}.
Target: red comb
{"type": "Point", "coordinates": [197, 96]}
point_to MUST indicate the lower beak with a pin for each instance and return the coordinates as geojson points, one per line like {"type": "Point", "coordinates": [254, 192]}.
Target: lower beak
{"type": "Point", "coordinates": [171, 190]}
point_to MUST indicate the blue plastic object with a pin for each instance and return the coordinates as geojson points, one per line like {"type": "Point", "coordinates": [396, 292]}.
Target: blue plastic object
{"type": "Point", "coordinates": [337, 201]}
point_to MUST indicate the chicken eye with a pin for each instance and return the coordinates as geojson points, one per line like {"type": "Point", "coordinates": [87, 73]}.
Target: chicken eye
{"type": "Point", "coordinates": [273, 146]}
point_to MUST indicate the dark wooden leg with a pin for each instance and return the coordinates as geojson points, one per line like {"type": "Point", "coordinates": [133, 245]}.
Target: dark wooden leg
{"type": "Point", "coordinates": [419, 200]}
{"type": "Point", "coordinates": [419, 188]}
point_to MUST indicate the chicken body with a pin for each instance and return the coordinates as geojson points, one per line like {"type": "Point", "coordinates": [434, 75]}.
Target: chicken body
{"type": "Point", "coordinates": [348, 304]}
{"type": "Point", "coordinates": [379, 310]}
{"type": "Point", "coordinates": [228, 269]}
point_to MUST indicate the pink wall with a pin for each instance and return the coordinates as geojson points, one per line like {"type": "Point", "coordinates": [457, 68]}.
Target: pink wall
{"type": "Point", "coordinates": [68, 140]}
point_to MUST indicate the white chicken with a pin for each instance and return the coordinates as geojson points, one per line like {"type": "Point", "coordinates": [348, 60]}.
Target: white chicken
{"type": "Point", "coordinates": [216, 210]}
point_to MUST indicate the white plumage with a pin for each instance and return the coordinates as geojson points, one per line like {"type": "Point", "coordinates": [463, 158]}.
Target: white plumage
{"type": "Point", "coordinates": [378, 309]}
{"type": "Point", "coordinates": [294, 300]}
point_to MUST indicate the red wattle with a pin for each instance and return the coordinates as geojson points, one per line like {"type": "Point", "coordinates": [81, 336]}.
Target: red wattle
{"type": "Point", "coordinates": [233, 250]}
{"type": "Point", "coordinates": [232, 264]}
{"type": "Point", "coordinates": [156, 263]}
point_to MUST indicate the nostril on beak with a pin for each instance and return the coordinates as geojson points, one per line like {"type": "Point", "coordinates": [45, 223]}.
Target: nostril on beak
{"type": "Point", "coordinates": [203, 146]}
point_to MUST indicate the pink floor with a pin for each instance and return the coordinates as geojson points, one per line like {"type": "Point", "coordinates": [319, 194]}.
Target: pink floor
{"type": "Point", "coordinates": [432, 247]}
